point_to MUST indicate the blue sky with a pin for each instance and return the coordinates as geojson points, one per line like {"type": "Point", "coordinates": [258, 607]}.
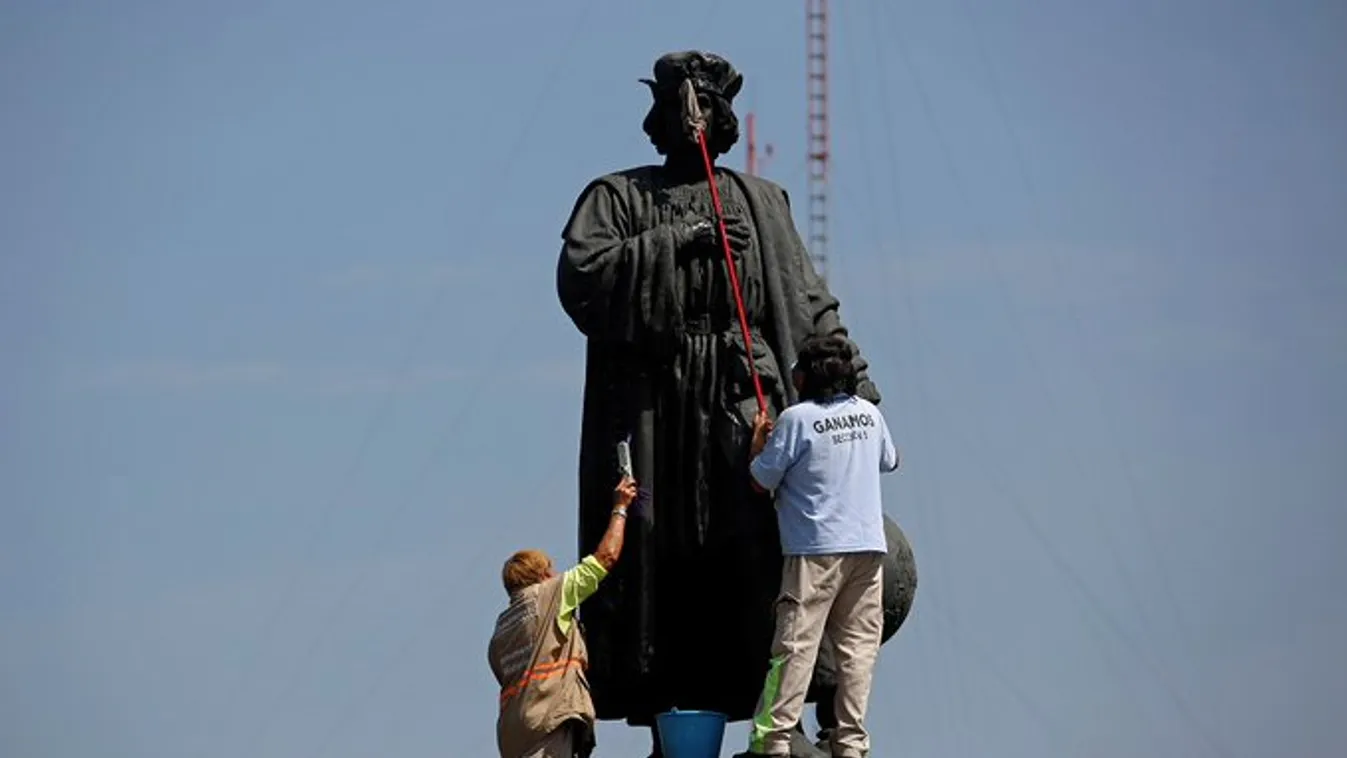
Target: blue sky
{"type": "Point", "coordinates": [286, 376]}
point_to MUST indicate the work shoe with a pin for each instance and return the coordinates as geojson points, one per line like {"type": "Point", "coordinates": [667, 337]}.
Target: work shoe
{"type": "Point", "coordinates": [800, 747]}
{"type": "Point", "coordinates": [825, 741]}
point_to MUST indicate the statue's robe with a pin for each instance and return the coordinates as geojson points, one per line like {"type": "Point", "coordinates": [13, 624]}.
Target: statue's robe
{"type": "Point", "coordinates": [685, 620]}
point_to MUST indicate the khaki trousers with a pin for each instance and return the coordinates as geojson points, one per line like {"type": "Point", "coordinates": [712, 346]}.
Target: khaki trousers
{"type": "Point", "coordinates": [558, 744]}
{"type": "Point", "coordinates": [842, 594]}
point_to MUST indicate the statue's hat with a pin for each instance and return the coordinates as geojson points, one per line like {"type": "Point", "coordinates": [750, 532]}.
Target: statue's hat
{"type": "Point", "coordinates": [708, 72]}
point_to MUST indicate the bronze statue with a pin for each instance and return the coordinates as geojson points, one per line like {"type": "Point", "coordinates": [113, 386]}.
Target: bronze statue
{"type": "Point", "coordinates": [686, 620]}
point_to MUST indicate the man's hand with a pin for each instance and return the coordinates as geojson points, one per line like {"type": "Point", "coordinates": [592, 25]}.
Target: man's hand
{"type": "Point", "coordinates": [762, 427]}
{"type": "Point", "coordinates": [625, 493]}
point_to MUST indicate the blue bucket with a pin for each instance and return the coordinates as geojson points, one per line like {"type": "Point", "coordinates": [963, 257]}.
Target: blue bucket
{"type": "Point", "coordinates": [691, 734]}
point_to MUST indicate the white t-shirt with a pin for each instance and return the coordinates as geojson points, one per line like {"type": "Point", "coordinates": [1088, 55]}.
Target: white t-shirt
{"type": "Point", "coordinates": [824, 459]}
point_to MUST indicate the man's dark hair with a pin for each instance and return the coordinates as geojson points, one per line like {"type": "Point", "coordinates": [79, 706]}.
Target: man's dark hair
{"type": "Point", "coordinates": [828, 368]}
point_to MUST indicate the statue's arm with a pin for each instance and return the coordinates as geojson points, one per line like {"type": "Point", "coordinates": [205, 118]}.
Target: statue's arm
{"type": "Point", "coordinates": [823, 306]}
{"type": "Point", "coordinates": [615, 284]}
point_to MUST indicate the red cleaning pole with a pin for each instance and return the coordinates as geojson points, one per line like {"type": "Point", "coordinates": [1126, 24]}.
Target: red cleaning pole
{"type": "Point", "coordinates": [734, 274]}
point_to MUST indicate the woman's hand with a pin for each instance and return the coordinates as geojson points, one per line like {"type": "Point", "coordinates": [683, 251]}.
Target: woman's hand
{"type": "Point", "coordinates": [625, 493]}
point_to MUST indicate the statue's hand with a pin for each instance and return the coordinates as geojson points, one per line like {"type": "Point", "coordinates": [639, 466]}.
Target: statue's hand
{"type": "Point", "coordinates": [740, 233]}
{"type": "Point", "coordinates": [703, 235]}
{"type": "Point", "coordinates": [694, 233]}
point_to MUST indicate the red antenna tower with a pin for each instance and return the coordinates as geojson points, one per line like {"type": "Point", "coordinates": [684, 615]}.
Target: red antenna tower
{"type": "Point", "coordinates": [750, 166]}
{"type": "Point", "coordinates": [816, 91]}
{"type": "Point", "coordinates": [751, 163]}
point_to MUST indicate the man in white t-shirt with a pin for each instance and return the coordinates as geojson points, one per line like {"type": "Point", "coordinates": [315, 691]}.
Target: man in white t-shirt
{"type": "Point", "coordinates": [824, 457]}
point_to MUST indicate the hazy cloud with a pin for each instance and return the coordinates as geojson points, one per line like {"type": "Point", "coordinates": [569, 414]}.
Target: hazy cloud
{"type": "Point", "coordinates": [202, 376]}
{"type": "Point", "coordinates": [180, 375]}
{"type": "Point", "coordinates": [1141, 302]}
{"type": "Point", "coordinates": [564, 373]}
{"type": "Point", "coordinates": [400, 276]}
{"type": "Point", "coordinates": [186, 375]}
{"type": "Point", "coordinates": [357, 382]}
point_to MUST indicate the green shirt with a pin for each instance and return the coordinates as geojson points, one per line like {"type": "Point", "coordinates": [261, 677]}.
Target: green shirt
{"type": "Point", "coordinates": [577, 584]}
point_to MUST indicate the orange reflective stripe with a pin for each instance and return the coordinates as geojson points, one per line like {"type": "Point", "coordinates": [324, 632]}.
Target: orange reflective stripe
{"type": "Point", "coordinates": [541, 671]}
